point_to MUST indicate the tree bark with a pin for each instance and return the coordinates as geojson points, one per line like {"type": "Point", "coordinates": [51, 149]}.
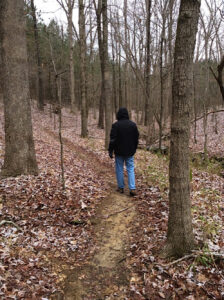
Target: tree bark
{"type": "Point", "coordinates": [98, 10]}
{"type": "Point", "coordinates": [82, 44]}
{"type": "Point", "coordinates": [125, 99]}
{"type": "Point", "coordinates": [107, 96]}
{"type": "Point", "coordinates": [68, 6]}
{"type": "Point", "coordinates": [58, 81]}
{"type": "Point", "coordinates": [19, 145]}
{"type": "Point", "coordinates": [71, 59]}
{"type": "Point", "coordinates": [37, 45]}
{"type": "Point", "coordinates": [119, 67]}
{"type": "Point", "coordinates": [195, 108]}
{"type": "Point", "coordinates": [180, 234]}
{"type": "Point", "coordinates": [148, 64]}
{"type": "Point", "coordinates": [161, 90]}
{"type": "Point", "coordinates": [114, 90]}
{"type": "Point", "coordinates": [162, 77]}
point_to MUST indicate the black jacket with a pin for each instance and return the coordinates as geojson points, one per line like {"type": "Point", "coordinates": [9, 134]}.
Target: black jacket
{"type": "Point", "coordinates": [124, 135]}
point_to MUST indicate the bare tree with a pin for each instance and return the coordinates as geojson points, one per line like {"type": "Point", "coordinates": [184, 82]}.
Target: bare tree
{"type": "Point", "coordinates": [162, 77]}
{"type": "Point", "coordinates": [59, 111]}
{"type": "Point", "coordinates": [125, 98]}
{"type": "Point", "coordinates": [180, 234]}
{"type": "Point", "coordinates": [19, 145]}
{"type": "Point", "coordinates": [68, 6]}
{"type": "Point", "coordinates": [105, 64]}
{"type": "Point", "coordinates": [82, 46]}
{"type": "Point", "coordinates": [37, 44]}
{"type": "Point", "coordinates": [98, 9]}
{"type": "Point", "coordinates": [148, 63]}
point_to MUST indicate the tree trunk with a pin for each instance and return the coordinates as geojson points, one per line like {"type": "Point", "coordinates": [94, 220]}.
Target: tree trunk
{"type": "Point", "coordinates": [180, 234]}
{"type": "Point", "coordinates": [82, 44]}
{"type": "Point", "coordinates": [205, 129]}
{"type": "Point", "coordinates": [19, 145]}
{"type": "Point", "coordinates": [36, 39]}
{"type": "Point", "coordinates": [125, 99]}
{"type": "Point", "coordinates": [71, 59]}
{"type": "Point", "coordinates": [99, 34]}
{"type": "Point", "coordinates": [147, 68]}
{"type": "Point", "coordinates": [161, 89]}
{"type": "Point", "coordinates": [170, 49]}
{"type": "Point", "coordinates": [114, 90]}
{"type": "Point", "coordinates": [119, 68]}
{"type": "Point", "coordinates": [58, 81]}
{"type": "Point", "coordinates": [107, 101]}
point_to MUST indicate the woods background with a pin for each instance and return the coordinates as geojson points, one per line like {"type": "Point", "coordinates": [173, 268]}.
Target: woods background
{"type": "Point", "coordinates": [140, 62]}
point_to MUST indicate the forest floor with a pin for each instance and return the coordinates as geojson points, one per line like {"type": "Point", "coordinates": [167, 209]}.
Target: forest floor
{"type": "Point", "coordinates": [89, 242]}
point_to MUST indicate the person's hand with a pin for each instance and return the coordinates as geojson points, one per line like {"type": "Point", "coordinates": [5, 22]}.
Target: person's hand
{"type": "Point", "coordinates": [111, 154]}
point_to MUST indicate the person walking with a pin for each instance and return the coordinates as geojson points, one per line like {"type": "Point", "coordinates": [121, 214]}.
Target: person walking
{"type": "Point", "coordinates": [123, 143]}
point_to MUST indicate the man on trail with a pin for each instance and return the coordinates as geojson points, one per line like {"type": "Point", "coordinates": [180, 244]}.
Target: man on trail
{"type": "Point", "coordinates": [123, 142]}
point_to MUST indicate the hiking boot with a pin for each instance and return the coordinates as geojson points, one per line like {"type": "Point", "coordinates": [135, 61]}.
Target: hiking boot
{"type": "Point", "coordinates": [132, 193]}
{"type": "Point", "coordinates": [120, 190]}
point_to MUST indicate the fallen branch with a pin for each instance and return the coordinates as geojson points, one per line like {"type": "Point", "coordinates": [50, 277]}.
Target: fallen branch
{"type": "Point", "coordinates": [3, 222]}
{"type": "Point", "coordinates": [118, 212]}
{"type": "Point", "coordinates": [121, 260]}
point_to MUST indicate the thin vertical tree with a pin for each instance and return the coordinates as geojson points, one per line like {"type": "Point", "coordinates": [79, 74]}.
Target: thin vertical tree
{"type": "Point", "coordinates": [59, 111]}
{"type": "Point", "coordinates": [82, 48]}
{"type": "Point", "coordinates": [125, 98]}
{"type": "Point", "coordinates": [119, 66]}
{"type": "Point", "coordinates": [98, 9]}
{"type": "Point", "coordinates": [180, 233]}
{"type": "Point", "coordinates": [20, 155]}
{"type": "Point", "coordinates": [68, 6]}
{"type": "Point", "coordinates": [162, 40]}
{"type": "Point", "coordinates": [148, 64]}
{"type": "Point", "coordinates": [105, 63]}
{"type": "Point", "coordinates": [38, 57]}
{"type": "Point", "coordinates": [114, 90]}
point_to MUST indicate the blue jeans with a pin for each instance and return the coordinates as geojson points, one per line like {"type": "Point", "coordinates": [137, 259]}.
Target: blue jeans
{"type": "Point", "coordinates": [119, 165]}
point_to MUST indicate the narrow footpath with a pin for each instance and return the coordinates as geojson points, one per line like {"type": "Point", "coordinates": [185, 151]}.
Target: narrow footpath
{"type": "Point", "coordinates": [105, 275]}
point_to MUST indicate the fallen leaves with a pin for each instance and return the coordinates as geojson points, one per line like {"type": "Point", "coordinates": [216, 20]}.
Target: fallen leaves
{"type": "Point", "coordinates": [57, 233]}
{"type": "Point", "coordinates": [45, 213]}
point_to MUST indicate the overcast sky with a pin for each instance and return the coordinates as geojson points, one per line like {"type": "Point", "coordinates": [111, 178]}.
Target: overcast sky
{"type": "Point", "coordinates": [50, 9]}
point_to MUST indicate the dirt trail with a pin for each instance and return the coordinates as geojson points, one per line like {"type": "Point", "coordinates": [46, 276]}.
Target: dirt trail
{"type": "Point", "coordinates": [105, 276]}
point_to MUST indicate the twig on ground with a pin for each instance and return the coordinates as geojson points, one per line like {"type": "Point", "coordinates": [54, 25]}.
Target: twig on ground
{"type": "Point", "coordinates": [3, 222]}
{"type": "Point", "coordinates": [117, 212]}
{"type": "Point", "coordinates": [121, 260]}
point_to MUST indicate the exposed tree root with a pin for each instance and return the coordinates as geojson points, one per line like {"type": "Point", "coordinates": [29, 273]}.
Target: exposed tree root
{"type": "Point", "coordinates": [3, 222]}
{"type": "Point", "coordinates": [194, 254]}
